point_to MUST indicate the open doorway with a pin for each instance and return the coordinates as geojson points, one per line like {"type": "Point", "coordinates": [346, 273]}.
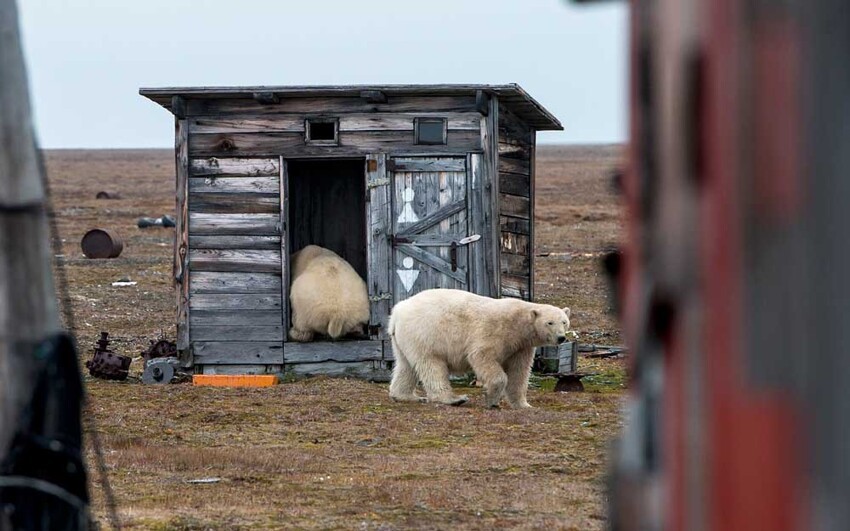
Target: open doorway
{"type": "Point", "coordinates": [327, 207]}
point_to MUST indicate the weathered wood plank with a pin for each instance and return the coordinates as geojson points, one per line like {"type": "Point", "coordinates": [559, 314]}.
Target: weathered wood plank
{"type": "Point", "coordinates": [379, 226]}
{"type": "Point", "coordinates": [490, 178]}
{"type": "Point", "coordinates": [235, 167]}
{"type": "Point", "coordinates": [479, 224]}
{"type": "Point", "coordinates": [235, 318]}
{"type": "Point", "coordinates": [181, 240]}
{"type": "Point", "coordinates": [423, 164]}
{"type": "Point", "coordinates": [269, 185]}
{"type": "Point", "coordinates": [514, 150]}
{"type": "Point", "coordinates": [234, 203]}
{"type": "Point", "coordinates": [364, 370]}
{"type": "Point", "coordinates": [226, 260]}
{"type": "Point", "coordinates": [515, 206]}
{"type": "Point", "coordinates": [516, 286]}
{"type": "Point", "coordinates": [294, 123]}
{"type": "Point", "coordinates": [229, 301]}
{"type": "Point", "coordinates": [515, 243]}
{"type": "Point", "coordinates": [292, 144]}
{"type": "Point", "coordinates": [285, 244]}
{"type": "Point", "coordinates": [244, 352]}
{"type": "Point", "coordinates": [517, 225]}
{"type": "Point", "coordinates": [433, 218]}
{"type": "Point", "coordinates": [248, 124]}
{"type": "Point", "coordinates": [339, 351]}
{"type": "Point", "coordinates": [433, 261]}
{"type": "Point", "coordinates": [240, 369]}
{"type": "Point", "coordinates": [326, 105]}
{"type": "Point", "coordinates": [228, 333]}
{"type": "Point", "coordinates": [515, 184]}
{"type": "Point", "coordinates": [234, 224]}
{"type": "Point", "coordinates": [512, 166]}
{"type": "Point", "coordinates": [217, 282]}
{"type": "Point", "coordinates": [404, 122]}
{"type": "Point", "coordinates": [515, 264]}
{"type": "Point", "coordinates": [255, 243]}
{"type": "Point", "coordinates": [531, 251]}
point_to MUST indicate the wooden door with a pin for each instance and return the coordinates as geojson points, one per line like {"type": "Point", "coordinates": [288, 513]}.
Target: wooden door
{"type": "Point", "coordinates": [431, 225]}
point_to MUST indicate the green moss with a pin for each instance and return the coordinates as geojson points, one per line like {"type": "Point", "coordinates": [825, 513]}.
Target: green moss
{"type": "Point", "coordinates": [609, 381]}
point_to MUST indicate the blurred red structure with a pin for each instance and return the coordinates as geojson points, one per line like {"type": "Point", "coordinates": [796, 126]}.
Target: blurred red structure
{"type": "Point", "coordinates": [735, 282]}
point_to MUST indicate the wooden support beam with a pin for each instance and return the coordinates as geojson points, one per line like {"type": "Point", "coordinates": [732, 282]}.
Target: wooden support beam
{"type": "Point", "coordinates": [482, 102]}
{"type": "Point", "coordinates": [373, 96]}
{"type": "Point", "coordinates": [178, 107]}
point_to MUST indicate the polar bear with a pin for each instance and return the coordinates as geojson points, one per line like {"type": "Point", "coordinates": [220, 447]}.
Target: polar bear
{"type": "Point", "coordinates": [327, 295]}
{"type": "Point", "coordinates": [444, 331]}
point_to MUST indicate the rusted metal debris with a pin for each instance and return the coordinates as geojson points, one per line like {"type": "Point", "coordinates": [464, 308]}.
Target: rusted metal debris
{"type": "Point", "coordinates": [103, 194]}
{"type": "Point", "coordinates": [164, 221]}
{"type": "Point", "coordinates": [160, 348]}
{"type": "Point", "coordinates": [106, 364]}
{"type": "Point", "coordinates": [101, 243]}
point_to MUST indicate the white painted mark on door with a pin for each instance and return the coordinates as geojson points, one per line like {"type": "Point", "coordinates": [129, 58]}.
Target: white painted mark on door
{"type": "Point", "coordinates": [407, 214]}
{"type": "Point", "coordinates": [409, 275]}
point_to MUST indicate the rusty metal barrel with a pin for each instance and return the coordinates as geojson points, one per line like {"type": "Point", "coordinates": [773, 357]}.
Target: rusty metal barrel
{"type": "Point", "coordinates": [101, 243]}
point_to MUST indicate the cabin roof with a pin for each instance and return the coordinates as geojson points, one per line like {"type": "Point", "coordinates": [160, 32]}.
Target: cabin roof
{"type": "Point", "coordinates": [511, 95]}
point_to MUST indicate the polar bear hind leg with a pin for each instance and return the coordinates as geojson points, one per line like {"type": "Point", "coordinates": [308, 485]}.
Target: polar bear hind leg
{"type": "Point", "coordinates": [403, 383]}
{"type": "Point", "coordinates": [435, 379]}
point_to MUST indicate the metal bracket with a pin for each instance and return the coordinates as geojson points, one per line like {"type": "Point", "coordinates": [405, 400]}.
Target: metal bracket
{"type": "Point", "coordinates": [381, 297]}
{"type": "Point", "coordinates": [376, 183]}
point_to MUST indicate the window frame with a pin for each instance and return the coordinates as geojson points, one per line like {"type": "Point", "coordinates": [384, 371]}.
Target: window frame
{"type": "Point", "coordinates": [323, 141]}
{"type": "Point", "coordinates": [416, 124]}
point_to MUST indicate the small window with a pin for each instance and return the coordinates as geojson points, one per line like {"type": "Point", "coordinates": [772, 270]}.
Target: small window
{"type": "Point", "coordinates": [430, 131]}
{"type": "Point", "coordinates": [322, 131]}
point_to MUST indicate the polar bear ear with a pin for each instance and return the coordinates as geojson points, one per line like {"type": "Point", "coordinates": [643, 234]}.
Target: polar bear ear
{"type": "Point", "coordinates": [534, 314]}
{"type": "Point", "coordinates": [566, 311]}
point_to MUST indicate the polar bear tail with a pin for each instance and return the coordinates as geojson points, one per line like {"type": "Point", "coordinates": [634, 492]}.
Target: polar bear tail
{"type": "Point", "coordinates": [336, 327]}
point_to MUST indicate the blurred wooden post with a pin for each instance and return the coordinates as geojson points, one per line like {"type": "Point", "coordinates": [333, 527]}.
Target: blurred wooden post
{"type": "Point", "coordinates": [28, 308]}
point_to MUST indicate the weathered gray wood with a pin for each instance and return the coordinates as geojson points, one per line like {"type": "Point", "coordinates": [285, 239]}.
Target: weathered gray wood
{"type": "Point", "coordinates": [517, 225]}
{"type": "Point", "coordinates": [28, 310]}
{"type": "Point", "coordinates": [433, 261]}
{"type": "Point", "coordinates": [244, 261]}
{"type": "Point", "coordinates": [531, 250]}
{"type": "Point", "coordinates": [374, 96]}
{"type": "Point", "coordinates": [235, 318]}
{"type": "Point", "coordinates": [234, 203]}
{"type": "Point", "coordinates": [515, 206]}
{"type": "Point", "coordinates": [328, 105]}
{"type": "Point", "coordinates": [235, 167]}
{"type": "Point", "coordinates": [234, 224]}
{"type": "Point", "coordinates": [422, 164]}
{"type": "Point", "coordinates": [513, 243]}
{"type": "Point", "coordinates": [237, 369]}
{"type": "Point", "coordinates": [378, 253]}
{"type": "Point", "coordinates": [238, 352]}
{"type": "Point", "coordinates": [356, 142]}
{"type": "Point", "coordinates": [256, 243]}
{"type": "Point", "coordinates": [513, 150]}
{"type": "Point", "coordinates": [515, 264]}
{"type": "Point", "coordinates": [516, 286]}
{"type": "Point", "coordinates": [520, 166]}
{"type": "Point", "coordinates": [515, 184]}
{"type": "Point", "coordinates": [364, 370]}
{"type": "Point", "coordinates": [432, 219]}
{"type": "Point", "coordinates": [216, 282]}
{"type": "Point", "coordinates": [339, 351]}
{"type": "Point", "coordinates": [236, 333]}
{"type": "Point", "coordinates": [269, 186]}
{"type": "Point", "coordinates": [229, 301]}
{"type": "Point", "coordinates": [479, 224]}
{"type": "Point", "coordinates": [490, 177]}
{"type": "Point", "coordinates": [285, 245]}
{"type": "Point", "coordinates": [180, 265]}
{"type": "Point", "coordinates": [436, 240]}
{"type": "Point", "coordinates": [294, 123]}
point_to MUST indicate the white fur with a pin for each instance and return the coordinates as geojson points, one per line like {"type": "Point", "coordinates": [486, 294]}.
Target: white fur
{"type": "Point", "coordinates": [441, 331]}
{"type": "Point", "coordinates": [327, 295]}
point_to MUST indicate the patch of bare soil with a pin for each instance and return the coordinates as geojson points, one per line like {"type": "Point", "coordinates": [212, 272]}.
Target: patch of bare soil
{"type": "Point", "coordinates": [326, 453]}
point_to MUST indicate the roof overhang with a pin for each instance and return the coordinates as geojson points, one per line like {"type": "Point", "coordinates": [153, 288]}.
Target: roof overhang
{"type": "Point", "coordinates": [517, 100]}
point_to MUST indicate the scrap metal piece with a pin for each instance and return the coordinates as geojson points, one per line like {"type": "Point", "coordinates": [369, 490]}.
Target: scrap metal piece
{"type": "Point", "coordinates": [106, 364]}
{"type": "Point", "coordinates": [161, 348]}
{"type": "Point", "coordinates": [159, 371]}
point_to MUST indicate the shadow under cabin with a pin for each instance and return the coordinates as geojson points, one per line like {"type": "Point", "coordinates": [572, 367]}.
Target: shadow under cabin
{"type": "Point", "coordinates": [416, 186]}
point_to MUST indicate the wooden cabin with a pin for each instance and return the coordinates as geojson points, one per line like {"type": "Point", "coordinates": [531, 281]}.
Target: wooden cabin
{"type": "Point", "coordinates": [417, 186]}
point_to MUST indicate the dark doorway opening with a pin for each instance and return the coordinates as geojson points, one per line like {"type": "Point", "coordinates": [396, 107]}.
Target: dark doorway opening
{"type": "Point", "coordinates": [327, 207]}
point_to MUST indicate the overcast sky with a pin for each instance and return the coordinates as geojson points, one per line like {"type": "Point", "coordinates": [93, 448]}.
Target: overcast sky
{"type": "Point", "coordinates": [88, 58]}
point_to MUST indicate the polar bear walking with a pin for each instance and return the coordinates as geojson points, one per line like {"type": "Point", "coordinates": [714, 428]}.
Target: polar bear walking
{"type": "Point", "coordinates": [327, 295]}
{"type": "Point", "coordinates": [444, 331]}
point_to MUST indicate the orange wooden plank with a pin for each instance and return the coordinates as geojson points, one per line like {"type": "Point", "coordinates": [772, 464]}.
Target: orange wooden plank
{"type": "Point", "coordinates": [242, 380]}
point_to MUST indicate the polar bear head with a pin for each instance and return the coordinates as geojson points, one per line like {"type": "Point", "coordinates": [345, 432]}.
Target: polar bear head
{"type": "Point", "coordinates": [550, 324]}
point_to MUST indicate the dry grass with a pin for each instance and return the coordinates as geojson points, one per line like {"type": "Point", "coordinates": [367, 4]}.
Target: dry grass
{"type": "Point", "coordinates": [326, 453]}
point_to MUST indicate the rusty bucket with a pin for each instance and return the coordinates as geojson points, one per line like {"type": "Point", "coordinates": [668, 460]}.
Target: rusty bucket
{"type": "Point", "coordinates": [101, 243]}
